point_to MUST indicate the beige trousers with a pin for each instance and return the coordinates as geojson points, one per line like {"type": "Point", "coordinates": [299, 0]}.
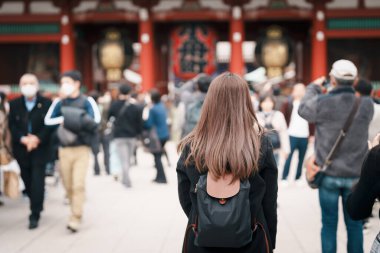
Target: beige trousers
{"type": "Point", "coordinates": [74, 162]}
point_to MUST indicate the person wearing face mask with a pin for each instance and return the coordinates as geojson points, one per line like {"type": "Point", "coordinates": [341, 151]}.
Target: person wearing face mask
{"type": "Point", "coordinates": [30, 141]}
{"type": "Point", "coordinates": [77, 118]}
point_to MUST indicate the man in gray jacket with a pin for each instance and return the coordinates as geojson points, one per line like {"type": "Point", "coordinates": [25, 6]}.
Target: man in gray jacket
{"type": "Point", "coordinates": [329, 112]}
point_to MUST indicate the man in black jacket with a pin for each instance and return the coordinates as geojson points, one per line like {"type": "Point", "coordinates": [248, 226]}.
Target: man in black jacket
{"type": "Point", "coordinates": [30, 141]}
{"type": "Point", "coordinates": [128, 125]}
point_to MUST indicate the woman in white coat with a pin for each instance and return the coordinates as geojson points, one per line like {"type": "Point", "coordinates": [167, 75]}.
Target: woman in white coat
{"type": "Point", "coordinates": [274, 122]}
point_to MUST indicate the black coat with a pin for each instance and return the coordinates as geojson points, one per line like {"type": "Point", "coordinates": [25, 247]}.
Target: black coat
{"type": "Point", "coordinates": [128, 119]}
{"type": "Point", "coordinates": [18, 124]}
{"type": "Point", "coordinates": [361, 201]}
{"type": "Point", "coordinates": [263, 200]}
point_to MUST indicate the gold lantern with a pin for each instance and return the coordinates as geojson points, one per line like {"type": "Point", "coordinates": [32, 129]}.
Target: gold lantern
{"type": "Point", "coordinates": [273, 51]}
{"type": "Point", "coordinates": [112, 55]}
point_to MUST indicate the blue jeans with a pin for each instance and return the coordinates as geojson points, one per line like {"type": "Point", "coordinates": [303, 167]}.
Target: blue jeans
{"type": "Point", "coordinates": [329, 192]}
{"type": "Point", "coordinates": [301, 145]}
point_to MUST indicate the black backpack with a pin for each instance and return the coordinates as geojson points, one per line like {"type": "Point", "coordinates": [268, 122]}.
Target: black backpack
{"type": "Point", "coordinates": [223, 223]}
{"type": "Point", "coordinates": [272, 134]}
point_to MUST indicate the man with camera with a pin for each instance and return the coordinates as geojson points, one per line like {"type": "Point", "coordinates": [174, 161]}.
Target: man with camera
{"type": "Point", "coordinates": [331, 113]}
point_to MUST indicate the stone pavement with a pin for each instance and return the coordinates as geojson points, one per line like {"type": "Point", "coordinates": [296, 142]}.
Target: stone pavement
{"type": "Point", "coordinates": [147, 218]}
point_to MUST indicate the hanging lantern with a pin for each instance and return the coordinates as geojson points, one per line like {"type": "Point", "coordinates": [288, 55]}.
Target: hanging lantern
{"type": "Point", "coordinates": [274, 51]}
{"type": "Point", "coordinates": [114, 54]}
{"type": "Point", "coordinates": [193, 50]}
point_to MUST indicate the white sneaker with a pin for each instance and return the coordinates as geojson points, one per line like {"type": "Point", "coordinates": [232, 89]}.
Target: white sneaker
{"type": "Point", "coordinates": [300, 183]}
{"type": "Point", "coordinates": [284, 183]}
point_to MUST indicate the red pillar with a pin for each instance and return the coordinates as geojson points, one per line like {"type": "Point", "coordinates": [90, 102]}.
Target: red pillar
{"type": "Point", "coordinates": [236, 41]}
{"type": "Point", "coordinates": [67, 54]}
{"type": "Point", "coordinates": [318, 42]}
{"type": "Point", "coordinates": [147, 50]}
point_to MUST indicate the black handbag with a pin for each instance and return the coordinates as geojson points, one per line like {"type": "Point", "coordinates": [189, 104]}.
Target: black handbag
{"type": "Point", "coordinates": [272, 133]}
{"type": "Point", "coordinates": [315, 174]}
{"type": "Point", "coordinates": [150, 140]}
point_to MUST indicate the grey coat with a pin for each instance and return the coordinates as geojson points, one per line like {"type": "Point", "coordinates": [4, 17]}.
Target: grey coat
{"type": "Point", "coordinates": [329, 113]}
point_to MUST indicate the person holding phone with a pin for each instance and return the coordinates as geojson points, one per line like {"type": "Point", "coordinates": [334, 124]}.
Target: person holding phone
{"type": "Point", "coordinates": [329, 112]}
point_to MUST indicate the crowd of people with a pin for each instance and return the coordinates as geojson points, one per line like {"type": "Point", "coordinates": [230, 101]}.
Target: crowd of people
{"type": "Point", "coordinates": [37, 131]}
{"type": "Point", "coordinates": [232, 141]}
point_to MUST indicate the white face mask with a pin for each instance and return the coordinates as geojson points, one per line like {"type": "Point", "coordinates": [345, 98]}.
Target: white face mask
{"type": "Point", "coordinates": [29, 90]}
{"type": "Point", "coordinates": [67, 89]}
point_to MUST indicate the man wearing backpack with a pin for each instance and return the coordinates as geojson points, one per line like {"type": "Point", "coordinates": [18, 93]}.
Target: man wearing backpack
{"type": "Point", "coordinates": [193, 109]}
{"type": "Point", "coordinates": [77, 117]}
{"type": "Point", "coordinates": [329, 112]}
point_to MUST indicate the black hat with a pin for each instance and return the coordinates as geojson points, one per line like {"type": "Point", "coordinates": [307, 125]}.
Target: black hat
{"type": "Point", "coordinates": [204, 82]}
{"type": "Point", "coordinates": [73, 74]}
{"type": "Point", "coordinates": [364, 87]}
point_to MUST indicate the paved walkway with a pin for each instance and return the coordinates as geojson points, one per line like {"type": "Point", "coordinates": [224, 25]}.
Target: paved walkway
{"type": "Point", "coordinates": [147, 218]}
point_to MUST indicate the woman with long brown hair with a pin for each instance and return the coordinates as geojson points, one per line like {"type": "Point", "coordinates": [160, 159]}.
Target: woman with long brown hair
{"type": "Point", "coordinates": [229, 146]}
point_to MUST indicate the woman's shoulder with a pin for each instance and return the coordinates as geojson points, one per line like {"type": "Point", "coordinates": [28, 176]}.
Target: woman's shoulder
{"type": "Point", "coordinates": [264, 141]}
{"type": "Point", "coordinates": [183, 162]}
{"type": "Point", "coordinates": [278, 114]}
{"type": "Point", "coordinates": [375, 153]}
{"type": "Point", "coordinates": [265, 148]}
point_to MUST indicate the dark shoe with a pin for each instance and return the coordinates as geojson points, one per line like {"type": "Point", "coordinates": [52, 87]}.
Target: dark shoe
{"type": "Point", "coordinates": [33, 223]}
{"type": "Point", "coordinates": [160, 181]}
{"type": "Point", "coordinates": [72, 229]}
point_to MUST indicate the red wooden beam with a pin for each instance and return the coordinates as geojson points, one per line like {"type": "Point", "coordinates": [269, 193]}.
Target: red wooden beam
{"type": "Point", "coordinates": [352, 13]}
{"type": "Point", "coordinates": [287, 14]}
{"type": "Point", "coordinates": [176, 15]}
{"type": "Point", "coordinates": [29, 18]}
{"type": "Point", "coordinates": [147, 70]}
{"type": "Point", "coordinates": [93, 17]}
{"type": "Point", "coordinates": [30, 38]}
{"type": "Point", "coordinates": [355, 33]}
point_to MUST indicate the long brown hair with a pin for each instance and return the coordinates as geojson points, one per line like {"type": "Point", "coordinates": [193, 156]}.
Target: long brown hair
{"type": "Point", "coordinates": [227, 137]}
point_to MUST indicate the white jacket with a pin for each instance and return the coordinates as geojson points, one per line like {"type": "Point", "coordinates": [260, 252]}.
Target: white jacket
{"type": "Point", "coordinates": [279, 124]}
{"type": "Point", "coordinates": [374, 126]}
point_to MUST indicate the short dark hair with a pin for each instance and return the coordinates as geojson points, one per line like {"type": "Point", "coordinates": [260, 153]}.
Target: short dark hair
{"type": "Point", "coordinates": [155, 96]}
{"type": "Point", "coordinates": [94, 94]}
{"type": "Point", "coordinates": [204, 83]}
{"type": "Point", "coordinates": [264, 97]}
{"type": "Point", "coordinates": [125, 89]}
{"type": "Point", "coordinates": [364, 87]}
{"type": "Point", "coordinates": [73, 74]}
{"type": "Point", "coordinates": [342, 82]}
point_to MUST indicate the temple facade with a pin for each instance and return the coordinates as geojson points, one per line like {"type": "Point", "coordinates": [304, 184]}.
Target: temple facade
{"type": "Point", "coordinates": [162, 41]}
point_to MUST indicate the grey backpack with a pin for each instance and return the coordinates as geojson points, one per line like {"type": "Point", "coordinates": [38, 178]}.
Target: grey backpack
{"type": "Point", "coordinates": [193, 113]}
{"type": "Point", "coordinates": [223, 222]}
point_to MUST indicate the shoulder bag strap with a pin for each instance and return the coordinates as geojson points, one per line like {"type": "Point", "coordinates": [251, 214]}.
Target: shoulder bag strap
{"type": "Point", "coordinates": [123, 109]}
{"type": "Point", "coordinates": [342, 133]}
